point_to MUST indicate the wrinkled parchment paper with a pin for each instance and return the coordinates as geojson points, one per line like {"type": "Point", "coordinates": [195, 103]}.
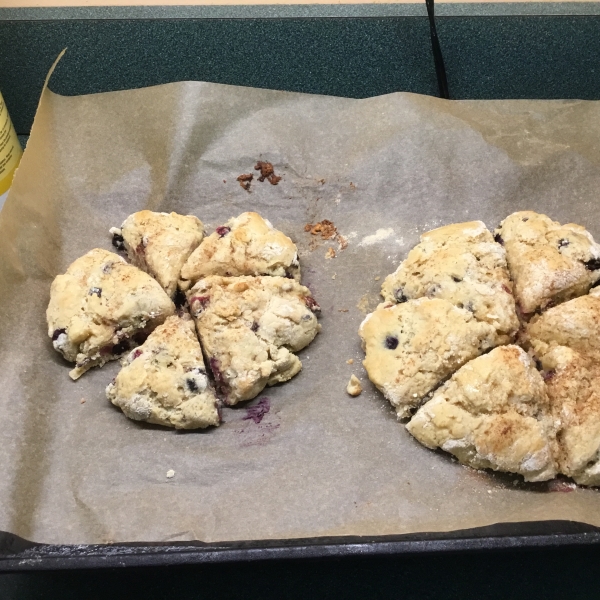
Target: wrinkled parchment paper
{"type": "Point", "coordinates": [320, 463]}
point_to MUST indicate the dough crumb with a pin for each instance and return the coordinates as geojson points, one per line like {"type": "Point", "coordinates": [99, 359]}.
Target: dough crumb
{"type": "Point", "coordinates": [342, 310]}
{"type": "Point", "coordinates": [82, 401]}
{"type": "Point", "coordinates": [377, 278]}
{"type": "Point", "coordinates": [330, 253]}
{"type": "Point", "coordinates": [170, 474]}
{"type": "Point", "coordinates": [350, 361]}
{"type": "Point", "coordinates": [333, 276]}
{"type": "Point", "coordinates": [354, 388]}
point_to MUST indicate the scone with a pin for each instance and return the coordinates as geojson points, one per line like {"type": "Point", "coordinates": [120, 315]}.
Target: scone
{"type": "Point", "coordinates": [249, 327]}
{"type": "Point", "coordinates": [549, 263]}
{"type": "Point", "coordinates": [159, 243]}
{"type": "Point", "coordinates": [101, 307]}
{"type": "Point", "coordinates": [493, 413]}
{"type": "Point", "coordinates": [245, 245]}
{"type": "Point", "coordinates": [411, 348]}
{"type": "Point", "coordinates": [460, 263]}
{"type": "Point", "coordinates": [566, 341]}
{"type": "Point", "coordinates": [164, 380]}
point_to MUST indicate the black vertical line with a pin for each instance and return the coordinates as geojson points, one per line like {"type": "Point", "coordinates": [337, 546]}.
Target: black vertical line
{"type": "Point", "coordinates": [438, 59]}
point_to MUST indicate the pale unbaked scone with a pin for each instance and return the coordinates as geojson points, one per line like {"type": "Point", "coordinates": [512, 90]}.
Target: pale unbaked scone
{"type": "Point", "coordinates": [549, 263]}
{"type": "Point", "coordinates": [413, 347]}
{"type": "Point", "coordinates": [164, 381]}
{"type": "Point", "coordinates": [159, 243]}
{"type": "Point", "coordinates": [101, 307]}
{"type": "Point", "coordinates": [566, 341]}
{"type": "Point", "coordinates": [493, 413]}
{"type": "Point", "coordinates": [249, 328]}
{"type": "Point", "coordinates": [463, 264]}
{"type": "Point", "coordinates": [245, 245]}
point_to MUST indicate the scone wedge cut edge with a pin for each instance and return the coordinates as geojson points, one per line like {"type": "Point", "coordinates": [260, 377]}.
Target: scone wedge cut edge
{"type": "Point", "coordinates": [164, 381]}
{"type": "Point", "coordinates": [101, 307]}
{"type": "Point", "coordinates": [249, 328]}
{"type": "Point", "coordinates": [493, 413]}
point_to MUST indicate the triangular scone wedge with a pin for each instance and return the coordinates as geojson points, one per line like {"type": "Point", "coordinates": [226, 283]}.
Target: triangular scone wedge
{"type": "Point", "coordinates": [411, 348]}
{"type": "Point", "coordinates": [101, 308]}
{"type": "Point", "coordinates": [245, 245]}
{"type": "Point", "coordinates": [566, 341]}
{"type": "Point", "coordinates": [249, 327]}
{"type": "Point", "coordinates": [463, 264]}
{"type": "Point", "coordinates": [493, 413]}
{"type": "Point", "coordinates": [164, 381]}
{"type": "Point", "coordinates": [159, 243]}
{"type": "Point", "coordinates": [549, 263]}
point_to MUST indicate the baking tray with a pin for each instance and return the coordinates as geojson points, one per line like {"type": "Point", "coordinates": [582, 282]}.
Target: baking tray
{"type": "Point", "coordinates": [17, 554]}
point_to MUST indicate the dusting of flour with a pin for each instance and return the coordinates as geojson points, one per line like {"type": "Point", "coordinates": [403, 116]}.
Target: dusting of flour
{"type": "Point", "coordinates": [378, 236]}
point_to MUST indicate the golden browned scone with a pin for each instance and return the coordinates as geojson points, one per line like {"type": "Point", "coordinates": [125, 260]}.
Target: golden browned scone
{"type": "Point", "coordinates": [566, 341]}
{"type": "Point", "coordinates": [412, 347]}
{"type": "Point", "coordinates": [164, 380]}
{"type": "Point", "coordinates": [159, 243]}
{"type": "Point", "coordinates": [249, 328]}
{"type": "Point", "coordinates": [548, 262]}
{"type": "Point", "coordinates": [101, 307]}
{"type": "Point", "coordinates": [245, 245]}
{"type": "Point", "coordinates": [493, 413]}
{"type": "Point", "coordinates": [462, 264]}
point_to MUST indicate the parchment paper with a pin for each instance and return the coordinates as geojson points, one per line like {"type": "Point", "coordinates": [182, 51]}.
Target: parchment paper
{"type": "Point", "coordinates": [319, 463]}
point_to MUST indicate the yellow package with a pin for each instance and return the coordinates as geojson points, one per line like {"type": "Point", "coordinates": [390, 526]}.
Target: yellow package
{"type": "Point", "coordinates": [10, 149]}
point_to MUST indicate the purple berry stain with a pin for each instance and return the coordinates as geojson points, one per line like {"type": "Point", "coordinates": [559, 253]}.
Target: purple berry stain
{"type": "Point", "coordinates": [57, 333]}
{"type": "Point", "coordinates": [258, 411]}
{"type": "Point", "coordinates": [223, 230]}
{"type": "Point", "coordinates": [311, 304]}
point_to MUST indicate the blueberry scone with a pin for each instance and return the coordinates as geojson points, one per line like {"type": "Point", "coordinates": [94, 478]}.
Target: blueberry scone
{"type": "Point", "coordinates": [159, 243]}
{"type": "Point", "coordinates": [249, 328]}
{"type": "Point", "coordinates": [493, 413]}
{"type": "Point", "coordinates": [566, 341]}
{"type": "Point", "coordinates": [245, 245]}
{"type": "Point", "coordinates": [164, 381]}
{"type": "Point", "coordinates": [548, 262]}
{"type": "Point", "coordinates": [412, 347]}
{"type": "Point", "coordinates": [460, 263]}
{"type": "Point", "coordinates": [101, 307]}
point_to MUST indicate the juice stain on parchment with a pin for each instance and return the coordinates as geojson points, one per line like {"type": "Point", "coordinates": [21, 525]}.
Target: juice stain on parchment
{"type": "Point", "coordinates": [262, 424]}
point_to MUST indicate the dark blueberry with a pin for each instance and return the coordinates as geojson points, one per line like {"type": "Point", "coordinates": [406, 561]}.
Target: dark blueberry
{"type": "Point", "coordinates": [221, 385]}
{"type": "Point", "coordinates": [562, 243]}
{"type": "Point", "coordinates": [549, 375]}
{"type": "Point", "coordinates": [457, 279]}
{"type": "Point", "coordinates": [399, 295]}
{"type": "Point", "coordinates": [140, 337]}
{"type": "Point", "coordinates": [289, 274]}
{"type": "Point", "coordinates": [254, 326]}
{"type": "Point", "coordinates": [391, 342]}
{"type": "Point", "coordinates": [498, 239]}
{"type": "Point", "coordinates": [192, 385]}
{"type": "Point", "coordinates": [307, 317]}
{"type": "Point", "coordinates": [223, 230]}
{"type": "Point", "coordinates": [311, 304]}
{"type": "Point", "coordinates": [538, 364]}
{"type": "Point", "coordinates": [118, 242]}
{"type": "Point", "coordinates": [107, 268]}
{"type": "Point", "coordinates": [95, 290]}
{"type": "Point", "coordinates": [57, 333]}
{"type": "Point", "coordinates": [525, 219]}
{"type": "Point", "coordinates": [179, 299]}
{"type": "Point", "coordinates": [592, 264]}
{"type": "Point", "coordinates": [121, 347]}
{"type": "Point", "coordinates": [470, 307]}
{"type": "Point", "coordinates": [433, 290]}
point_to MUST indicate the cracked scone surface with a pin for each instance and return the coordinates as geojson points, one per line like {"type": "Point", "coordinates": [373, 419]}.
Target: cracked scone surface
{"type": "Point", "coordinates": [160, 243]}
{"type": "Point", "coordinates": [164, 381]}
{"type": "Point", "coordinates": [101, 307]}
{"type": "Point", "coordinates": [245, 245]}
{"type": "Point", "coordinates": [412, 347]}
{"type": "Point", "coordinates": [566, 341]}
{"type": "Point", "coordinates": [549, 262]}
{"type": "Point", "coordinates": [460, 263]}
{"type": "Point", "coordinates": [249, 328]}
{"type": "Point", "coordinates": [493, 413]}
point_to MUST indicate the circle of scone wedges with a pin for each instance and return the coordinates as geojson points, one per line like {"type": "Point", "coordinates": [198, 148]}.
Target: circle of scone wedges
{"type": "Point", "coordinates": [488, 346]}
{"type": "Point", "coordinates": [232, 299]}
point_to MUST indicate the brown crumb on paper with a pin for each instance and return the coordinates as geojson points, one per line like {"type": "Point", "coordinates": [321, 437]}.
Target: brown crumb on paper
{"type": "Point", "coordinates": [342, 310]}
{"type": "Point", "coordinates": [82, 401]}
{"type": "Point", "coordinates": [245, 179]}
{"type": "Point", "coordinates": [321, 181]}
{"type": "Point", "coordinates": [325, 227]}
{"type": "Point", "coordinates": [342, 241]}
{"type": "Point", "coordinates": [354, 388]}
{"type": "Point", "coordinates": [267, 172]}
{"type": "Point", "coordinates": [330, 253]}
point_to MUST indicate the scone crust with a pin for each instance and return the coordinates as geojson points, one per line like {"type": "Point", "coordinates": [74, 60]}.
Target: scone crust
{"type": "Point", "coordinates": [245, 245]}
{"type": "Point", "coordinates": [493, 413]}
{"type": "Point", "coordinates": [566, 342]}
{"type": "Point", "coordinates": [99, 306]}
{"type": "Point", "coordinates": [463, 264]}
{"type": "Point", "coordinates": [249, 328]}
{"type": "Point", "coordinates": [164, 381]}
{"type": "Point", "coordinates": [160, 243]}
{"type": "Point", "coordinates": [549, 263]}
{"type": "Point", "coordinates": [412, 347]}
